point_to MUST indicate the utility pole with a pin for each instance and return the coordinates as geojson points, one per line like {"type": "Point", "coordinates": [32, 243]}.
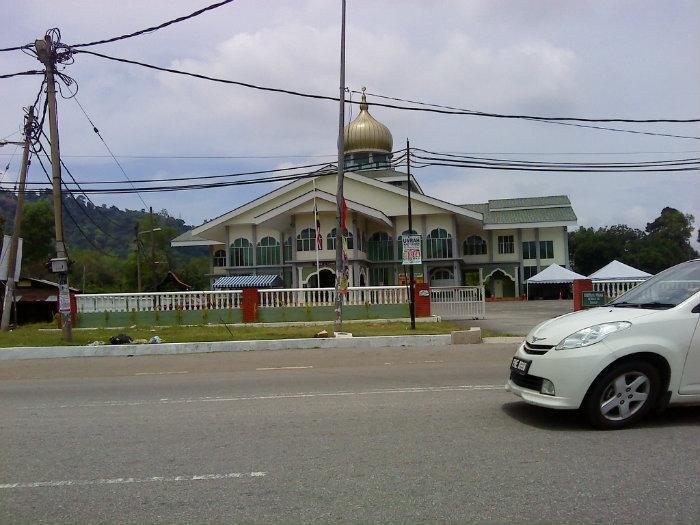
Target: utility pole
{"type": "Point", "coordinates": [11, 263]}
{"type": "Point", "coordinates": [138, 257]}
{"type": "Point", "coordinates": [46, 53]}
{"type": "Point", "coordinates": [339, 263]}
{"type": "Point", "coordinates": [153, 251]}
{"type": "Point", "coordinates": [411, 290]}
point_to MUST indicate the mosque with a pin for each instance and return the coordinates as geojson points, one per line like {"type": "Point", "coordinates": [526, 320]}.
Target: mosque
{"type": "Point", "coordinates": [273, 239]}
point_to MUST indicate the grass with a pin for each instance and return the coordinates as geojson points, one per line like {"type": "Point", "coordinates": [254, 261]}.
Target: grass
{"type": "Point", "coordinates": [33, 335]}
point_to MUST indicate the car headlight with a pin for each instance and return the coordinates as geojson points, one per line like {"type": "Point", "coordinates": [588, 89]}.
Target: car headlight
{"type": "Point", "coordinates": [591, 335]}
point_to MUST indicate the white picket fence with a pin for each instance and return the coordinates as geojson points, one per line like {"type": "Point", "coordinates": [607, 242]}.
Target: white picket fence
{"type": "Point", "coordinates": [615, 288]}
{"type": "Point", "coordinates": [458, 302]}
{"type": "Point", "coordinates": [225, 299]}
{"type": "Point", "coordinates": [157, 301]}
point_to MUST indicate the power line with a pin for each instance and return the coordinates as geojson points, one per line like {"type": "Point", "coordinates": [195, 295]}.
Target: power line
{"type": "Point", "coordinates": [319, 168]}
{"type": "Point", "coordinates": [97, 131]}
{"type": "Point", "coordinates": [156, 28]}
{"type": "Point", "coordinates": [379, 104]}
{"type": "Point", "coordinates": [22, 73]}
{"type": "Point", "coordinates": [97, 208]}
{"type": "Point", "coordinates": [196, 157]}
{"type": "Point", "coordinates": [70, 215]}
{"type": "Point", "coordinates": [536, 119]}
{"type": "Point", "coordinates": [470, 158]}
{"type": "Point", "coordinates": [16, 48]}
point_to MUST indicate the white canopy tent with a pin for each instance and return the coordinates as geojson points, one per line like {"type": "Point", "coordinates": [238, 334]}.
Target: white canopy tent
{"type": "Point", "coordinates": [617, 271]}
{"type": "Point", "coordinates": [553, 274]}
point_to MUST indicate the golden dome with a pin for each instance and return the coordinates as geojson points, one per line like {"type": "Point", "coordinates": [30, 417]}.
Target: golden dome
{"type": "Point", "coordinates": [365, 134]}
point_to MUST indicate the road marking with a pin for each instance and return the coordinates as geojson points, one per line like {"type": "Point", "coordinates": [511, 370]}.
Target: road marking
{"type": "Point", "coordinates": [121, 481]}
{"type": "Point", "coordinates": [440, 361]}
{"type": "Point", "coordinates": [300, 395]}
{"type": "Point", "coordinates": [284, 368]}
{"type": "Point", "coordinates": [160, 373]}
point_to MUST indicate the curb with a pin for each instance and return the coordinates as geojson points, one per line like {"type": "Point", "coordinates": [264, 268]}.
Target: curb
{"type": "Point", "coordinates": [51, 352]}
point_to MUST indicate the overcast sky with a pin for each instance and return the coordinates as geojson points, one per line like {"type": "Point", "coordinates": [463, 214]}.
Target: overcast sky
{"type": "Point", "coordinates": [587, 58]}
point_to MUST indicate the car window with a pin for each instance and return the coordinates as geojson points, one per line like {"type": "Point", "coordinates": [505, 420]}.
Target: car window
{"type": "Point", "coordinates": [666, 289]}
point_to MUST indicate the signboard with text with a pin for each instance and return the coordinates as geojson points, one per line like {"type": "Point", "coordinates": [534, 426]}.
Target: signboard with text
{"type": "Point", "coordinates": [411, 249]}
{"type": "Point", "coordinates": [591, 299]}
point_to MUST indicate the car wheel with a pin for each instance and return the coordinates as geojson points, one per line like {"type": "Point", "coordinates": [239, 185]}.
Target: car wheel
{"type": "Point", "coordinates": [623, 395]}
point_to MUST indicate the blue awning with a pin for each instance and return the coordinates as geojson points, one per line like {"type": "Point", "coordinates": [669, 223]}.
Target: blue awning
{"type": "Point", "coordinates": [248, 281]}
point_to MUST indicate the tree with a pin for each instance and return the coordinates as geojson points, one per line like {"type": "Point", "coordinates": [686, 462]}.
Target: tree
{"type": "Point", "coordinates": [664, 243]}
{"type": "Point", "coordinates": [592, 249]}
{"type": "Point", "coordinates": [676, 227]}
{"type": "Point", "coordinates": [38, 232]}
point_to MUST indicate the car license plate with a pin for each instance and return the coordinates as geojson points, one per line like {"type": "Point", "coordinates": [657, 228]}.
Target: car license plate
{"type": "Point", "coordinates": [521, 366]}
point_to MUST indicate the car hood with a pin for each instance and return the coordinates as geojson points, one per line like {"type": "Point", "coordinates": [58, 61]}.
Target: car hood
{"type": "Point", "coordinates": [552, 332]}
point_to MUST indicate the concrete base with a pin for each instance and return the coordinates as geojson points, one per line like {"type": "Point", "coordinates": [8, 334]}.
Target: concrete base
{"type": "Point", "coordinates": [467, 337]}
{"type": "Point", "coordinates": [50, 352]}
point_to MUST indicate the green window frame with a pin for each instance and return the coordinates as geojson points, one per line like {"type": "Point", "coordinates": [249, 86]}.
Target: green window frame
{"type": "Point", "coordinates": [439, 244]}
{"type": "Point", "coordinates": [380, 247]}
{"type": "Point", "coordinates": [241, 252]}
{"type": "Point", "coordinates": [268, 251]}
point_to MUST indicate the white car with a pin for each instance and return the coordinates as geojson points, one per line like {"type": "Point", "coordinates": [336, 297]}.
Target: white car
{"type": "Point", "coordinates": [639, 352]}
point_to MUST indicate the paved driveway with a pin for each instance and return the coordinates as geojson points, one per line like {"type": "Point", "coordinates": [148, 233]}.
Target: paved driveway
{"type": "Point", "coordinates": [518, 317]}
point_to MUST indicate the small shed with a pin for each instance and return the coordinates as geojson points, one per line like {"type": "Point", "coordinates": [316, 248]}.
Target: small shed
{"type": "Point", "coordinates": [556, 281]}
{"type": "Point", "coordinates": [238, 282]}
{"type": "Point", "coordinates": [617, 271]}
{"type": "Point", "coordinates": [35, 301]}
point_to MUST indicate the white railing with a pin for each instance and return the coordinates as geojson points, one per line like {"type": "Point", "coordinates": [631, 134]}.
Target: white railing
{"type": "Point", "coordinates": [225, 299]}
{"type": "Point", "coordinates": [158, 301]}
{"type": "Point", "coordinates": [615, 288]}
{"type": "Point", "coordinates": [326, 296]}
{"type": "Point", "coordinates": [458, 302]}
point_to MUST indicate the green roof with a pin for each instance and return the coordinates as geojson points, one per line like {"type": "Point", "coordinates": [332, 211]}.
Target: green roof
{"type": "Point", "coordinates": [529, 202]}
{"type": "Point", "coordinates": [555, 208]}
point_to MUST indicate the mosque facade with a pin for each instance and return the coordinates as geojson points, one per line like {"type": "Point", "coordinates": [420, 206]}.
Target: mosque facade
{"type": "Point", "coordinates": [498, 243]}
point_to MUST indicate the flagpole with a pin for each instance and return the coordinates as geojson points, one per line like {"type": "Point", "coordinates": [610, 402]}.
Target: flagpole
{"type": "Point", "coordinates": [339, 260]}
{"type": "Point", "coordinates": [316, 223]}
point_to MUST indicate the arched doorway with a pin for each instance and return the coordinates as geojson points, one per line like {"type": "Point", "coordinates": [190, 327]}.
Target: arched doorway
{"type": "Point", "coordinates": [500, 284]}
{"type": "Point", "coordinates": [327, 279]}
{"type": "Point", "coordinates": [362, 280]}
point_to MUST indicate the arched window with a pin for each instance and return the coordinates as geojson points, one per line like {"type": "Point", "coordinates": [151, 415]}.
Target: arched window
{"type": "Point", "coordinates": [220, 258]}
{"type": "Point", "coordinates": [399, 243]}
{"type": "Point", "coordinates": [439, 244]}
{"type": "Point", "coordinates": [474, 245]}
{"type": "Point", "coordinates": [268, 251]}
{"type": "Point", "coordinates": [331, 239]}
{"type": "Point", "coordinates": [241, 252]}
{"type": "Point", "coordinates": [288, 249]}
{"type": "Point", "coordinates": [306, 240]}
{"type": "Point", "coordinates": [380, 247]}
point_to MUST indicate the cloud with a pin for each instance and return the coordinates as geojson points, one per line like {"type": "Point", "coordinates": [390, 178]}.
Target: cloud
{"type": "Point", "coordinates": [538, 58]}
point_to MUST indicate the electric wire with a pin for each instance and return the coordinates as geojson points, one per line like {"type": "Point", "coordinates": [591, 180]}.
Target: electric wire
{"type": "Point", "coordinates": [155, 28]}
{"type": "Point", "coordinates": [80, 189]}
{"type": "Point", "coordinates": [97, 131]}
{"type": "Point", "coordinates": [379, 104]}
{"type": "Point", "coordinates": [619, 130]}
{"type": "Point", "coordinates": [70, 215]}
{"type": "Point", "coordinates": [22, 73]}
{"type": "Point", "coordinates": [16, 48]}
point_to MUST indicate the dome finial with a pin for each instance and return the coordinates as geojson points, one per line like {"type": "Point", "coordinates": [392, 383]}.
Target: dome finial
{"type": "Point", "coordinates": [364, 104]}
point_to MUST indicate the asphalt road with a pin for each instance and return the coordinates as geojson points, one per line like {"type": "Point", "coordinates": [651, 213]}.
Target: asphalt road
{"type": "Point", "coordinates": [388, 435]}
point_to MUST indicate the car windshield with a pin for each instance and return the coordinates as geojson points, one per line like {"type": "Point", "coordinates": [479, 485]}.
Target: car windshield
{"type": "Point", "coordinates": [665, 290]}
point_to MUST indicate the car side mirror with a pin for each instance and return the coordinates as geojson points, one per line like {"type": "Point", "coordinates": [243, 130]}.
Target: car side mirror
{"type": "Point", "coordinates": [696, 310]}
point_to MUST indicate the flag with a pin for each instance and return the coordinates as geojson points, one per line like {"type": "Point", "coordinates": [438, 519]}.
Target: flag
{"type": "Point", "coordinates": [319, 237]}
{"type": "Point", "coordinates": [344, 215]}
